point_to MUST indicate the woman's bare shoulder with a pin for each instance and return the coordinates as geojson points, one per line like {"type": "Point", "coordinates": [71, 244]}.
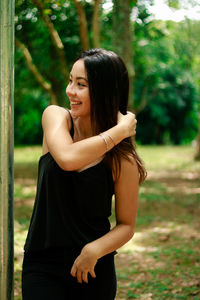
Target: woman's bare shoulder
{"type": "Point", "coordinates": [55, 113]}
{"type": "Point", "coordinates": [52, 109]}
{"type": "Point", "coordinates": [128, 167]}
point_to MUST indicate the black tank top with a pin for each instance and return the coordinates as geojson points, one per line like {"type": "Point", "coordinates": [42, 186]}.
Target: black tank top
{"type": "Point", "coordinates": [71, 208]}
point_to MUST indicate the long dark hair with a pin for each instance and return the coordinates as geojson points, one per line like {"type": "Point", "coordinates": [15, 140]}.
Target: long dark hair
{"type": "Point", "coordinates": [109, 89]}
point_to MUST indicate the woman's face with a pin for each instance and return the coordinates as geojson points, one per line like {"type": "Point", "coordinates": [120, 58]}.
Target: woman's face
{"type": "Point", "coordinates": [78, 90]}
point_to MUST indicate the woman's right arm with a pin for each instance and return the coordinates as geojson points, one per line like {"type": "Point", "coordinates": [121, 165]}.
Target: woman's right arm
{"type": "Point", "coordinates": [72, 156]}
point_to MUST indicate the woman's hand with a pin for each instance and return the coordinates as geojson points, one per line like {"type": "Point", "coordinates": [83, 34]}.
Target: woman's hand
{"type": "Point", "coordinates": [128, 122]}
{"type": "Point", "coordinates": [85, 264]}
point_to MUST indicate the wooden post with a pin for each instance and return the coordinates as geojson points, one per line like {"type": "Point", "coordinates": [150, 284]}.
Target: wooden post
{"type": "Point", "coordinates": [6, 147]}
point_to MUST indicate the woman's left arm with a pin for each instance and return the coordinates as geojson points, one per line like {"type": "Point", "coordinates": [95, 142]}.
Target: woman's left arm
{"type": "Point", "coordinates": [126, 202]}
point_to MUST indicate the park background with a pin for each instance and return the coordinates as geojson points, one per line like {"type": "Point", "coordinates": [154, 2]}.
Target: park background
{"type": "Point", "coordinates": [162, 261]}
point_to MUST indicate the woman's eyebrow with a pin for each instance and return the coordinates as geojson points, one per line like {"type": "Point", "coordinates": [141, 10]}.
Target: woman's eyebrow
{"type": "Point", "coordinates": [78, 77]}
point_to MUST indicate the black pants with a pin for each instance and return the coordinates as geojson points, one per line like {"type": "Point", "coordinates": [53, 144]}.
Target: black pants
{"type": "Point", "coordinates": [46, 276]}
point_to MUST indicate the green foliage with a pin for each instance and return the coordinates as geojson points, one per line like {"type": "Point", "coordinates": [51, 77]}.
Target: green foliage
{"type": "Point", "coordinates": [165, 85]}
{"type": "Point", "coordinates": [171, 112]}
{"type": "Point", "coordinates": [31, 29]}
{"type": "Point", "coordinates": [174, 3]}
{"type": "Point", "coordinates": [30, 102]}
{"type": "Point", "coordinates": [28, 113]}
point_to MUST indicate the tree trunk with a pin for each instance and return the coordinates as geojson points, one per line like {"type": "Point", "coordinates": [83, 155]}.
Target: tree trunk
{"type": "Point", "coordinates": [123, 37]}
{"type": "Point", "coordinates": [83, 29]}
{"type": "Point", "coordinates": [197, 154]}
{"type": "Point", "coordinates": [96, 24]}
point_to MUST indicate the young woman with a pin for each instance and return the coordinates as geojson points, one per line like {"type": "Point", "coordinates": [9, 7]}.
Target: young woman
{"type": "Point", "coordinates": [88, 156]}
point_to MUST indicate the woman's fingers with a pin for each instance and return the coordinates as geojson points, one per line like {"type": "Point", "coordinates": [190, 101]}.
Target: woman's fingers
{"type": "Point", "coordinates": [73, 270]}
{"type": "Point", "coordinates": [79, 276]}
{"type": "Point", "coordinates": [92, 273]}
{"type": "Point", "coordinates": [119, 116]}
{"type": "Point", "coordinates": [132, 123]}
{"type": "Point", "coordinates": [82, 275]}
{"type": "Point", "coordinates": [84, 264]}
{"type": "Point", "coordinates": [85, 277]}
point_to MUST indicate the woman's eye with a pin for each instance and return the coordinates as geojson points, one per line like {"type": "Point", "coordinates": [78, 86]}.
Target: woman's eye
{"type": "Point", "coordinates": [80, 84]}
{"type": "Point", "coordinates": [70, 81]}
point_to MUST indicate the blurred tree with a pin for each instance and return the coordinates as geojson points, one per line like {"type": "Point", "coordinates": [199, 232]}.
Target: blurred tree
{"type": "Point", "coordinates": [123, 37]}
{"type": "Point", "coordinates": [193, 44]}
{"type": "Point", "coordinates": [46, 60]}
{"type": "Point", "coordinates": [164, 88]}
{"type": "Point", "coordinates": [52, 13]}
{"type": "Point", "coordinates": [177, 4]}
{"type": "Point", "coordinates": [187, 49]}
{"type": "Point", "coordinates": [83, 26]}
{"type": "Point", "coordinates": [197, 154]}
{"type": "Point", "coordinates": [83, 23]}
{"type": "Point", "coordinates": [96, 24]}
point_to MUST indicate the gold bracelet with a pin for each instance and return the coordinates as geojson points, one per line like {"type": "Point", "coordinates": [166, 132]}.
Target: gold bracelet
{"type": "Point", "coordinates": [106, 142]}
{"type": "Point", "coordinates": [110, 138]}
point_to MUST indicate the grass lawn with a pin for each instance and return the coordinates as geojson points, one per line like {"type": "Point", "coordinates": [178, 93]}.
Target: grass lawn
{"type": "Point", "coordinates": [162, 261]}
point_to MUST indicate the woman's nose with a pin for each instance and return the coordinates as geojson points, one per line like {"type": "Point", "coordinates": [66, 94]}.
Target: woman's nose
{"type": "Point", "coordinates": [70, 90]}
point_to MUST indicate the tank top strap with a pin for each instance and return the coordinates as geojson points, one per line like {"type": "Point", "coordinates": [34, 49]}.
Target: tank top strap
{"type": "Point", "coordinates": [72, 123]}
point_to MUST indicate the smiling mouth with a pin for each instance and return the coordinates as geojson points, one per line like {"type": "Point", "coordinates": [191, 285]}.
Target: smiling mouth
{"type": "Point", "coordinates": [75, 103]}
